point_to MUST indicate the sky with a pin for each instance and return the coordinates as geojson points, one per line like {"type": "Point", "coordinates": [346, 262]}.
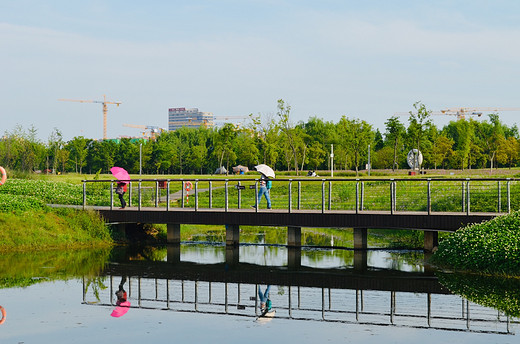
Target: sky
{"type": "Point", "coordinates": [327, 58]}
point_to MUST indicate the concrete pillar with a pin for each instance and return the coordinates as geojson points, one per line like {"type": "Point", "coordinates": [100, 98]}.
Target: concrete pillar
{"type": "Point", "coordinates": [232, 255]}
{"type": "Point", "coordinates": [173, 235]}
{"type": "Point", "coordinates": [121, 230]}
{"type": "Point", "coordinates": [360, 238]}
{"type": "Point", "coordinates": [232, 235]}
{"type": "Point", "coordinates": [360, 260]}
{"type": "Point", "coordinates": [294, 257]}
{"type": "Point", "coordinates": [294, 236]}
{"type": "Point", "coordinates": [173, 253]}
{"type": "Point", "coordinates": [431, 240]}
{"type": "Point", "coordinates": [428, 269]}
{"type": "Point", "coordinates": [360, 249]}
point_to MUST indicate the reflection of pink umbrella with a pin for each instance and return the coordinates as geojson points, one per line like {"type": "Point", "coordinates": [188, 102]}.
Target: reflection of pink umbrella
{"type": "Point", "coordinates": [120, 174]}
{"type": "Point", "coordinates": [121, 309]}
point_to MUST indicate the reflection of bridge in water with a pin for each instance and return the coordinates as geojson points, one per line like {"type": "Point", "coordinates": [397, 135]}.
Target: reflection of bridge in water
{"type": "Point", "coordinates": [370, 297]}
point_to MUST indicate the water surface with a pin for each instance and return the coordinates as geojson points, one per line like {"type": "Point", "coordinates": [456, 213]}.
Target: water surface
{"type": "Point", "coordinates": [197, 294]}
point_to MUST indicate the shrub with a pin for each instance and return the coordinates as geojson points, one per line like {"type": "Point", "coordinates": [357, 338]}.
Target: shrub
{"type": "Point", "coordinates": [488, 247]}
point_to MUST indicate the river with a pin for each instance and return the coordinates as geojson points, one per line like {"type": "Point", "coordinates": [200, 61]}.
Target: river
{"type": "Point", "coordinates": [202, 292]}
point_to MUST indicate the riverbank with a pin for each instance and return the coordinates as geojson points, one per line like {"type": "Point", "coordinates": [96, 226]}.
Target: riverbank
{"type": "Point", "coordinates": [491, 247]}
{"type": "Point", "coordinates": [41, 229]}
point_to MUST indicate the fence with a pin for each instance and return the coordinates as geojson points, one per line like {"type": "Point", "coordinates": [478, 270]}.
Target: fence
{"type": "Point", "coordinates": [393, 195]}
{"type": "Point", "coordinates": [369, 307]}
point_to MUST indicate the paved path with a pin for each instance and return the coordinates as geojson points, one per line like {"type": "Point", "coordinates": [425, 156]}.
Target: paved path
{"type": "Point", "coordinates": [177, 195]}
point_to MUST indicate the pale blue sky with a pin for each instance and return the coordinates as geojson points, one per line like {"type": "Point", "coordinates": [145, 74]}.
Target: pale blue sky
{"type": "Point", "coordinates": [362, 59]}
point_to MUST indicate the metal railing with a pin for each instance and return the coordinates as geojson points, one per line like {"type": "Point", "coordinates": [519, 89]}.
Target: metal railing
{"type": "Point", "coordinates": [368, 307]}
{"type": "Point", "coordinates": [462, 195]}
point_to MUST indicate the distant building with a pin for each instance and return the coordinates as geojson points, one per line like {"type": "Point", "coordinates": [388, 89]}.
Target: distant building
{"type": "Point", "coordinates": [191, 118]}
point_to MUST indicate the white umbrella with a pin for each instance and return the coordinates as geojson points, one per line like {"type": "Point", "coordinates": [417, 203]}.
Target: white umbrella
{"type": "Point", "coordinates": [265, 170]}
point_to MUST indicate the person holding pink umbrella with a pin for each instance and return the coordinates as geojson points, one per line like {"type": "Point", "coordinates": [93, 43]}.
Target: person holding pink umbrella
{"type": "Point", "coordinates": [120, 191]}
{"type": "Point", "coordinates": [122, 175]}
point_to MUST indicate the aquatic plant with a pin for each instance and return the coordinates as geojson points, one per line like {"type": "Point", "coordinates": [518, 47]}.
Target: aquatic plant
{"type": "Point", "coordinates": [488, 247]}
{"type": "Point", "coordinates": [499, 293]}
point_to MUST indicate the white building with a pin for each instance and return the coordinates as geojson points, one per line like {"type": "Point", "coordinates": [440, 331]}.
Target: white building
{"type": "Point", "coordinates": [191, 118]}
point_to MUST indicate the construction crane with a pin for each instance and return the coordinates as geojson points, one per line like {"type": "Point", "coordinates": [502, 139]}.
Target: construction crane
{"type": "Point", "coordinates": [105, 109]}
{"type": "Point", "coordinates": [154, 130]}
{"type": "Point", "coordinates": [462, 112]}
{"type": "Point", "coordinates": [229, 117]}
{"type": "Point", "coordinates": [225, 118]}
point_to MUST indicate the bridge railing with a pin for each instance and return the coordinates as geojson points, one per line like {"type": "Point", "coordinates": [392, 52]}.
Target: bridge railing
{"type": "Point", "coordinates": [367, 307]}
{"type": "Point", "coordinates": [316, 194]}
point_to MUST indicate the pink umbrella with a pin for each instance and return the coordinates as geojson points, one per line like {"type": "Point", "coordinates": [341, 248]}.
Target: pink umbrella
{"type": "Point", "coordinates": [120, 174]}
{"type": "Point", "coordinates": [121, 309]}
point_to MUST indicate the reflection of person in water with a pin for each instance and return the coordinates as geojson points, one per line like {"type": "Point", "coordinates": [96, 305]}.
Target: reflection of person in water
{"type": "Point", "coordinates": [122, 304]}
{"type": "Point", "coordinates": [265, 302]}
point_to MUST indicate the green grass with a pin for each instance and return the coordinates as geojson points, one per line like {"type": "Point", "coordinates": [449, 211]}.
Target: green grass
{"type": "Point", "coordinates": [485, 196]}
{"type": "Point", "coordinates": [55, 228]}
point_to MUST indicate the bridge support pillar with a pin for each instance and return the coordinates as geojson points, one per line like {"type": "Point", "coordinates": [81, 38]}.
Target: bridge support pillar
{"type": "Point", "coordinates": [173, 253]}
{"type": "Point", "coordinates": [121, 229]}
{"type": "Point", "coordinates": [294, 257]}
{"type": "Point", "coordinates": [232, 235]}
{"type": "Point", "coordinates": [173, 235]}
{"type": "Point", "coordinates": [232, 255]}
{"type": "Point", "coordinates": [360, 249]}
{"type": "Point", "coordinates": [431, 240]}
{"type": "Point", "coordinates": [294, 236]}
{"type": "Point", "coordinates": [360, 238]}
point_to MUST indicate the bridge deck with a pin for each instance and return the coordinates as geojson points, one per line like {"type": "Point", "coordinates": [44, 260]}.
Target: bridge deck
{"type": "Point", "coordinates": [436, 221]}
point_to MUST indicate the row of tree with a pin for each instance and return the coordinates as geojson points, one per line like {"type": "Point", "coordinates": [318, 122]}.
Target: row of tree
{"type": "Point", "coordinates": [276, 141]}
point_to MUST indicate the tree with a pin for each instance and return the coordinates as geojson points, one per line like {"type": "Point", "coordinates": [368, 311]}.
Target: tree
{"type": "Point", "coordinates": [357, 136]}
{"type": "Point", "coordinates": [247, 150]}
{"type": "Point", "coordinates": [508, 151]}
{"type": "Point", "coordinates": [394, 134]}
{"type": "Point", "coordinates": [55, 145]}
{"type": "Point", "coordinates": [78, 152]}
{"type": "Point", "coordinates": [316, 154]}
{"type": "Point", "coordinates": [419, 124]}
{"type": "Point", "coordinates": [442, 150]}
{"type": "Point", "coordinates": [224, 143]}
{"type": "Point", "coordinates": [161, 152]}
{"type": "Point", "coordinates": [292, 140]}
{"type": "Point", "coordinates": [383, 158]}
{"type": "Point", "coordinates": [492, 135]}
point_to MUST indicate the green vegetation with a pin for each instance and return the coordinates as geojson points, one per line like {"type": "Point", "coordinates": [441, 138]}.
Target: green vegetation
{"type": "Point", "coordinates": [492, 247]}
{"type": "Point", "coordinates": [464, 144]}
{"type": "Point", "coordinates": [500, 293]}
{"type": "Point", "coordinates": [18, 269]}
{"type": "Point", "coordinates": [51, 229]}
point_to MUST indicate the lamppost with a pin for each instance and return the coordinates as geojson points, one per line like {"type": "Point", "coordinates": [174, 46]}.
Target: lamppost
{"type": "Point", "coordinates": [140, 159]}
{"type": "Point", "coordinates": [369, 162]}
{"type": "Point", "coordinates": [332, 160]}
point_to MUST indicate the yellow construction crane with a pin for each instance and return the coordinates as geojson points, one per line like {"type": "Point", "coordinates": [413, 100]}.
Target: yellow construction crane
{"type": "Point", "coordinates": [154, 130]}
{"type": "Point", "coordinates": [462, 112]}
{"type": "Point", "coordinates": [105, 110]}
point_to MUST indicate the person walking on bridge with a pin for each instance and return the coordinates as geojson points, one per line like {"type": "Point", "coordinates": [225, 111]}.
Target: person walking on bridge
{"type": "Point", "coordinates": [265, 184]}
{"type": "Point", "coordinates": [264, 190]}
{"type": "Point", "coordinates": [120, 191]}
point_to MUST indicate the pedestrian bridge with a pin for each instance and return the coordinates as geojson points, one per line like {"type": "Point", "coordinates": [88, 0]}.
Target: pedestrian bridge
{"type": "Point", "coordinates": [426, 204]}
